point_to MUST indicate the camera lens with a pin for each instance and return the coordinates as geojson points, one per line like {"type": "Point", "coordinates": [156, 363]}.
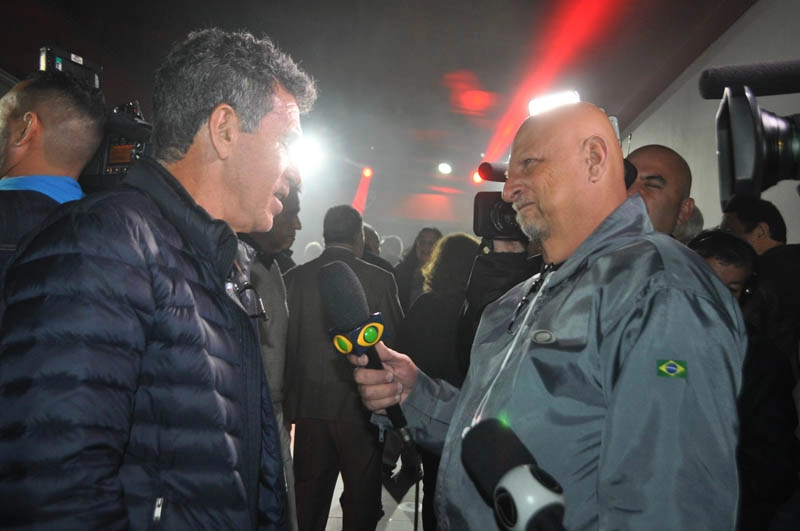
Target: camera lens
{"type": "Point", "coordinates": [780, 145]}
{"type": "Point", "coordinates": [503, 216]}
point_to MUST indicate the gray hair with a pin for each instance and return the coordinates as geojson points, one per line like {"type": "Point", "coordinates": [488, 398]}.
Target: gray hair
{"type": "Point", "coordinates": [211, 67]}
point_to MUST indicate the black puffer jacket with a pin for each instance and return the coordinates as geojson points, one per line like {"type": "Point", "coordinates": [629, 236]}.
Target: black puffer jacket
{"type": "Point", "coordinates": [131, 387]}
{"type": "Point", "coordinates": [21, 211]}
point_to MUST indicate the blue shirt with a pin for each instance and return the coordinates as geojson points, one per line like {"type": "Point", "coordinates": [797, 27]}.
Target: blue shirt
{"type": "Point", "coordinates": [59, 188]}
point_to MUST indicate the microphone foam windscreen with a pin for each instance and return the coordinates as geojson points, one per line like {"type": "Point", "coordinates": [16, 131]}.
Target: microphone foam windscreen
{"type": "Point", "coordinates": [764, 79]}
{"type": "Point", "coordinates": [488, 451]}
{"type": "Point", "coordinates": [342, 296]}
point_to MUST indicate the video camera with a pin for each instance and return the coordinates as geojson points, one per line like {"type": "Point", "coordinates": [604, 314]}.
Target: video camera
{"type": "Point", "coordinates": [127, 134]}
{"type": "Point", "coordinates": [493, 218]}
{"type": "Point", "coordinates": [755, 148]}
{"type": "Point", "coordinates": [127, 138]}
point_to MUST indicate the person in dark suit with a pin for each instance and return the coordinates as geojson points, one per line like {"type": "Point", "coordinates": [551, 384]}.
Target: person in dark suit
{"type": "Point", "coordinates": [332, 429]}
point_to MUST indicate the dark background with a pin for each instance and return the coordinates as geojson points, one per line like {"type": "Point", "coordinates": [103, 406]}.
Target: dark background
{"type": "Point", "coordinates": [403, 85]}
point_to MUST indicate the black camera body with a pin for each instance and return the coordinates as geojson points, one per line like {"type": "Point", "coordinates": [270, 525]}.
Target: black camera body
{"type": "Point", "coordinates": [493, 218]}
{"type": "Point", "coordinates": [127, 135]}
{"type": "Point", "coordinates": [127, 138]}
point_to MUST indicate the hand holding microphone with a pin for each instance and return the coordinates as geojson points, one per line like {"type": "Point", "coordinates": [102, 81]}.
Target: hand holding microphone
{"type": "Point", "coordinates": [389, 386]}
{"type": "Point", "coordinates": [346, 307]}
{"type": "Point", "coordinates": [356, 333]}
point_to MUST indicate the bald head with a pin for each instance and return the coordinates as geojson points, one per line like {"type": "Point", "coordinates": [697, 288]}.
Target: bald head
{"type": "Point", "coordinates": [372, 240]}
{"type": "Point", "coordinates": [665, 181]}
{"type": "Point", "coordinates": [565, 176]}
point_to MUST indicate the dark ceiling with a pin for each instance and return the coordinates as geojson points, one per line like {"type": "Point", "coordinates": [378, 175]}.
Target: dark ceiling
{"type": "Point", "coordinates": [403, 84]}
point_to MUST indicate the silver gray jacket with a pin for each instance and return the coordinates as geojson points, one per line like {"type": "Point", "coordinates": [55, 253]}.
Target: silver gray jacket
{"type": "Point", "coordinates": [582, 381]}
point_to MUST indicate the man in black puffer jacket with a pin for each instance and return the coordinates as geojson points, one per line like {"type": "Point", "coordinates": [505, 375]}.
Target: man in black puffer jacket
{"type": "Point", "coordinates": [132, 393]}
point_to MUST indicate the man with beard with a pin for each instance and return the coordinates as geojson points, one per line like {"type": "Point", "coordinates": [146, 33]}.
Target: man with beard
{"type": "Point", "coordinates": [618, 367]}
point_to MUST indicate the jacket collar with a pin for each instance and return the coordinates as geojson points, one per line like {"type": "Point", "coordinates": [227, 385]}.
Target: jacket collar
{"type": "Point", "coordinates": [211, 238]}
{"type": "Point", "coordinates": [334, 252]}
{"type": "Point", "coordinates": [627, 220]}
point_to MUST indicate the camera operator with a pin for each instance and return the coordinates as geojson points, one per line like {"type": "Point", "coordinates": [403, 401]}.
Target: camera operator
{"type": "Point", "coordinates": [50, 126]}
{"type": "Point", "coordinates": [620, 374]}
{"type": "Point", "coordinates": [506, 264]}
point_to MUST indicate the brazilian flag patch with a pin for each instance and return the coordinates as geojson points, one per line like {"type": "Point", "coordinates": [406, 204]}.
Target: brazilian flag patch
{"type": "Point", "coordinates": [672, 368]}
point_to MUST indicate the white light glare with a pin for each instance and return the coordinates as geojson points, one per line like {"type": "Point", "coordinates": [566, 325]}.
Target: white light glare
{"type": "Point", "coordinates": [307, 154]}
{"type": "Point", "coordinates": [445, 168]}
{"type": "Point", "coordinates": [544, 103]}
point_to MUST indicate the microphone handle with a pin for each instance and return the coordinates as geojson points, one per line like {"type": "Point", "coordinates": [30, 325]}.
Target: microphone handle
{"type": "Point", "coordinates": [398, 420]}
{"type": "Point", "coordinates": [394, 412]}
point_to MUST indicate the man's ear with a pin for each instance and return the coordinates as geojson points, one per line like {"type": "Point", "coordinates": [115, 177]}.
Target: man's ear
{"type": "Point", "coordinates": [685, 211]}
{"type": "Point", "coordinates": [26, 128]}
{"type": "Point", "coordinates": [761, 231]}
{"type": "Point", "coordinates": [596, 152]}
{"type": "Point", "coordinates": [223, 129]}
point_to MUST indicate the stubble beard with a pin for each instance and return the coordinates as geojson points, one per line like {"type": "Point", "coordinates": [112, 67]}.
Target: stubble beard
{"type": "Point", "coordinates": [536, 231]}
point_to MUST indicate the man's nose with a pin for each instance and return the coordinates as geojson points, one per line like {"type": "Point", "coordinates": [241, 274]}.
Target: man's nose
{"type": "Point", "coordinates": [511, 188]}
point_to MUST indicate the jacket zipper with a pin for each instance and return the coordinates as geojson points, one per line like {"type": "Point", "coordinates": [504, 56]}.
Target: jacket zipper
{"type": "Point", "coordinates": [157, 511]}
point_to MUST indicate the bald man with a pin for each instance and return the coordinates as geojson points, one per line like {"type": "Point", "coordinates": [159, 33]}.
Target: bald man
{"type": "Point", "coordinates": [618, 366]}
{"type": "Point", "coordinates": [664, 180]}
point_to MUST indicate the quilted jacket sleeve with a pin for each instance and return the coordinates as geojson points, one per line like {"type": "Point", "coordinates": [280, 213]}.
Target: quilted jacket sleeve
{"type": "Point", "coordinates": [79, 299]}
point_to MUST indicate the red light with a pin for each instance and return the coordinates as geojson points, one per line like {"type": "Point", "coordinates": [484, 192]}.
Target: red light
{"type": "Point", "coordinates": [476, 178]}
{"type": "Point", "coordinates": [475, 102]}
{"type": "Point", "coordinates": [366, 173]}
{"type": "Point", "coordinates": [573, 28]}
{"type": "Point", "coordinates": [466, 93]}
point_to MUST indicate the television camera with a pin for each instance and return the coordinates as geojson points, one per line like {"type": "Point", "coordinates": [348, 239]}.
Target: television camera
{"type": "Point", "coordinates": [127, 134]}
{"type": "Point", "coordinates": [493, 218]}
{"type": "Point", "coordinates": [755, 147]}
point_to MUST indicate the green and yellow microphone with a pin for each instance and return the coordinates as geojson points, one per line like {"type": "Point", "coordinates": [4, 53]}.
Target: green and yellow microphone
{"type": "Point", "coordinates": [357, 331]}
{"type": "Point", "coordinates": [360, 338]}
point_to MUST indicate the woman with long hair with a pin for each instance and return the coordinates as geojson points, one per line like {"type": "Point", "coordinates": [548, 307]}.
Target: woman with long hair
{"type": "Point", "coordinates": [428, 332]}
{"type": "Point", "coordinates": [408, 272]}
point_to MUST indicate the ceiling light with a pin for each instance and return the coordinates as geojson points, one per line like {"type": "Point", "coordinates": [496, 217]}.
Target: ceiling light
{"type": "Point", "coordinates": [547, 102]}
